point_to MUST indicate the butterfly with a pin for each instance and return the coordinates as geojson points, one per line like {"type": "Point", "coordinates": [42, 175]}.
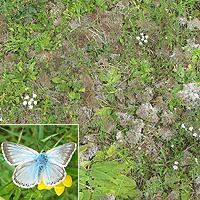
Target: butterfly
{"type": "Point", "coordinates": [32, 167]}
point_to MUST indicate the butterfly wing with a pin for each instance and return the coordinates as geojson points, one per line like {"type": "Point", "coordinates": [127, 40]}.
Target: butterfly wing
{"type": "Point", "coordinates": [16, 154]}
{"type": "Point", "coordinates": [26, 175]}
{"type": "Point", "coordinates": [58, 158]}
{"type": "Point", "coordinates": [53, 174]}
{"type": "Point", "coordinates": [61, 155]}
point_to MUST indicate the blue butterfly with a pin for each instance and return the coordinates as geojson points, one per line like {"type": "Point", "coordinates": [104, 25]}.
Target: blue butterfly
{"type": "Point", "coordinates": [32, 166]}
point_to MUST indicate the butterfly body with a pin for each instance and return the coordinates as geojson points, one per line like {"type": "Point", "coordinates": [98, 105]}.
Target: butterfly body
{"type": "Point", "coordinates": [32, 167]}
{"type": "Point", "coordinates": [42, 160]}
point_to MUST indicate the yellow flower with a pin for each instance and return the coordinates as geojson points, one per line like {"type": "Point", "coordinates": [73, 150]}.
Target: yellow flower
{"type": "Point", "coordinates": [60, 188]}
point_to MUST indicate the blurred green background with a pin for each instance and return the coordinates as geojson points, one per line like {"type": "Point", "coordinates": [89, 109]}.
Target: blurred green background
{"type": "Point", "coordinates": [38, 137]}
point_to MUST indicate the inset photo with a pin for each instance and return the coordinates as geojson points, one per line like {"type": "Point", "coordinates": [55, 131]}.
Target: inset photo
{"type": "Point", "coordinates": [39, 162]}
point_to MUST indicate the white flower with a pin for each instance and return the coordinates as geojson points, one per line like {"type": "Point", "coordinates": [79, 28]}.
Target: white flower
{"type": "Point", "coordinates": [172, 146]}
{"type": "Point", "coordinates": [140, 43]}
{"type": "Point", "coordinates": [196, 160]}
{"type": "Point", "coordinates": [30, 107]}
{"type": "Point", "coordinates": [24, 103]}
{"type": "Point", "coordinates": [137, 38]}
{"type": "Point", "coordinates": [191, 128]}
{"type": "Point", "coordinates": [176, 163]}
{"type": "Point", "coordinates": [183, 126]}
{"type": "Point", "coordinates": [142, 38]}
{"type": "Point", "coordinates": [175, 167]}
{"type": "Point", "coordinates": [26, 97]}
{"type": "Point", "coordinates": [139, 148]}
{"type": "Point", "coordinates": [195, 134]}
{"type": "Point", "coordinates": [31, 100]}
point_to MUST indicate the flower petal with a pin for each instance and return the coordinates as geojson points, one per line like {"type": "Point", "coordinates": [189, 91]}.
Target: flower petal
{"type": "Point", "coordinates": [42, 186]}
{"type": "Point", "coordinates": [68, 181]}
{"type": "Point", "coordinates": [59, 189]}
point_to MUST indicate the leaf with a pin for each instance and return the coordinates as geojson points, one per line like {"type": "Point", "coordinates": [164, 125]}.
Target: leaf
{"type": "Point", "coordinates": [41, 132]}
{"type": "Point", "coordinates": [108, 177]}
{"type": "Point", "coordinates": [17, 194]}
{"type": "Point", "coordinates": [57, 79]}
{"type": "Point", "coordinates": [85, 194]}
{"type": "Point", "coordinates": [104, 112]}
{"type": "Point", "coordinates": [49, 137]}
{"type": "Point", "coordinates": [7, 189]}
{"type": "Point", "coordinates": [10, 132]}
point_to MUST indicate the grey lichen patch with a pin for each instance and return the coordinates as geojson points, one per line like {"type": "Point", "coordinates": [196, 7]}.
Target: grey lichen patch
{"type": "Point", "coordinates": [147, 112]}
{"type": "Point", "coordinates": [85, 114]}
{"type": "Point", "coordinates": [146, 95]}
{"type": "Point", "coordinates": [165, 133]}
{"type": "Point", "coordinates": [89, 153]}
{"type": "Point", "coordinates": [167, 118]}
{"type": "Point", "coordinates": [135, 133]}
{"type": "Point", "coordinates": [125, 118]}
{"type": "Point", "coordinates": [190, 95]}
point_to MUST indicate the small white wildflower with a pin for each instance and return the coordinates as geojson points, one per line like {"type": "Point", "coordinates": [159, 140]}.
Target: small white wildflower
{"type": "Point", "coordinates": [195, 134]}
{"type": "Point", "coordinates": [199, 129]}
{"type": "Point", "coordinates": [190, 128]}
{"type": "Point", "coordinates": [175, 167]}
{"type": "Point", "coordinates": [172, 146]}
{"type": "Point", "coordinates": [137, 38]}
{"type": "Point", "coordinates": [176, 163]}
{"type": "Point", "coordinates": [139, 148]}
{"type": "Point", "coordinates": [30, 103]}
{"type": "Point", "coordinates": [30, 107]}
{"type": "Point", "coordinates": [31, 100]}
{"type": "Point", "coordinates": [142, 38]}
{"type": "Point", "coordinates": [182, 21]}
{"type": "Point", "coordinates": [196, 160]}
{"type": "Point", "coordinates": [24, 103]}
{"type": "Point", "coordinates": [183, 126]}
{"type": "Point", "coordinates": [26, 97]}
{"type": "Point", "coordinates": [140, 43]}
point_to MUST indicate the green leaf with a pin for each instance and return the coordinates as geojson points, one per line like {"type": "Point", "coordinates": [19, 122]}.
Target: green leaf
{"type": "Point", "coordinates": [104, 112]}
{"type": "Point", "coordinates": [108, 177]}
{"type": "Point", "coordinates": [17, 194]}
{"type": "Point", "coordinates": [49, 137]}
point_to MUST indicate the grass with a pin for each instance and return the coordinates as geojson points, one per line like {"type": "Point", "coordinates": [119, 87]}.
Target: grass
{"type": "Point", "coordinates": [40, 138]}
{"type": "Point", "coordinates": [86, 66]}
